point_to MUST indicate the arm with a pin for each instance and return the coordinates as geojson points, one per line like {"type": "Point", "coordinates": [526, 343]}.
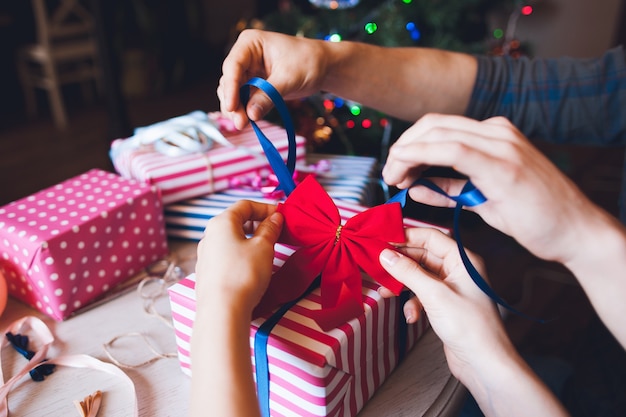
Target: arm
{"type": "Point", "coordinates": [528, 198]}
{"type": "Point", "coordinates": [477, 348]}
{"type": "Point", "coordinates": [403, 82]}
{"type": "Point", "coordinates": [564, 100]}
{"type": "Point", "coordinates": [232, 274]}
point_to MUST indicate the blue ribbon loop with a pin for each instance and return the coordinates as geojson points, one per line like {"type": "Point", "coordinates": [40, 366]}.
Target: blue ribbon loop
{"type": "Point", "coordinates": [284, 172]}
{"type": "Point", "coordinates": [470, 196]}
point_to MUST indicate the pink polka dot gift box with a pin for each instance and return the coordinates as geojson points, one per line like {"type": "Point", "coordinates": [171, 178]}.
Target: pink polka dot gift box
{"type": "Point", "coordinates": [67, 245]}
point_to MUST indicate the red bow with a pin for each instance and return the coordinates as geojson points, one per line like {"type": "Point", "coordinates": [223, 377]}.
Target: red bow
{"type": "Point", "coordinates": [337, 252]}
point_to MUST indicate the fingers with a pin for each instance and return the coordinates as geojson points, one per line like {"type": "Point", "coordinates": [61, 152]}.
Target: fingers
{"type": "Point", "coordinates": [435, 245]}
{"type": "Point", "coordinates": [237, 218]}
{"type": "Point", "coordinates": [472, 147]}
{"type": "Point", "coordinates": [270, 228]}
{"type": "Point", "coordinates": [408, 272]}
{"type": "Point", "coordinates": [412, 310]}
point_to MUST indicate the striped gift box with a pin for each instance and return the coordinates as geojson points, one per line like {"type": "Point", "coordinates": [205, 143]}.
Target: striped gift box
{"type": "Point", "coordinates": [349, 178]}
{"type": "Point", "coordinates": [196, 174]}
{"type": "Point", "coordinates": [312, 372]}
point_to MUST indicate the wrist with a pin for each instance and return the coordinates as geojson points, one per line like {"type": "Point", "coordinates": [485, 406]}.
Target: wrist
{"type": "Point", "coordinates": [508, 386]}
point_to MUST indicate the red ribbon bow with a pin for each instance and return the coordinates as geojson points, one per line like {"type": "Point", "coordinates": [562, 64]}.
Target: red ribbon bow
{"type": "Point", "coordinates": [337, 252]}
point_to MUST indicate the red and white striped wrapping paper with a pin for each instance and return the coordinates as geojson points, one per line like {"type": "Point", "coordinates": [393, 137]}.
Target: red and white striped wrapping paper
{"type": "Point", "coordinates": [197, 174]}
{"type": "Point", "coordinates": [316, 373]}
{"type": "Point", "coordinates": [349, 178]}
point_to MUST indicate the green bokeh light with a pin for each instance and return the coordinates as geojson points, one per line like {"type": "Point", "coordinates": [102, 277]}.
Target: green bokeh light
{"type": "Point", "coordinates": [371, 27]}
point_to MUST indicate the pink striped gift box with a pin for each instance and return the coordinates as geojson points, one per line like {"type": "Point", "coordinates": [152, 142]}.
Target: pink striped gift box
{"type": "Point", "coordinates": [348, 178]}
{"type": "Point", "coordinates": [196, 174]}
{"type": "Point", "coordinates": [312, 372]}
{"type": "Point", "coordinates": [65, 246]}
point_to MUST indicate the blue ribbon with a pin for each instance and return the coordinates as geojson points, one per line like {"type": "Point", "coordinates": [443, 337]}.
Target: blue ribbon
{"type": "Point", "coordinates": [20, 344]}
{"type": "Point", "coordinates": [284, 172]}
{"type": "Point", "coordinates": [470, 196]}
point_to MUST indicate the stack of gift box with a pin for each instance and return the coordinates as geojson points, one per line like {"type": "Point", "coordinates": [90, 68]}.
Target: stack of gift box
{"type": "Point", "coordinates": [64, 247]}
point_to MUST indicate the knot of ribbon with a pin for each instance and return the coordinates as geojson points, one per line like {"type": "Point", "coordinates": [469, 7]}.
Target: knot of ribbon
{"type": "Point", "coordinates": [337, 252]}
{"type": "Point", "coordinates": [190, 133]}
{"type": "Point", "coordinates": [19, 342]}
{"type": "Point", "coordinates": [470, 196]}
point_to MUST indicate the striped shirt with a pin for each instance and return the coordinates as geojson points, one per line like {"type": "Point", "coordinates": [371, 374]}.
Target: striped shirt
{"type": "Point", "coordinates": [560, 100]}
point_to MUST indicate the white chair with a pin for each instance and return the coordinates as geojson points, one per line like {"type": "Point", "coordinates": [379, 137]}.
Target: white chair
{"type": "Point", "coordinates": [65, 52]}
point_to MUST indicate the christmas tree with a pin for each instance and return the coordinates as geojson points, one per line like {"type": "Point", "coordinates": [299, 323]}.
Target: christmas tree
{"type": "Point", "coordinates": [334, 125]}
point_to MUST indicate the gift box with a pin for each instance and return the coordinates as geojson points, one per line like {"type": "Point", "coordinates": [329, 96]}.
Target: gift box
{"type": "Point", "coordinates": [347, 178]}
{"type": "Point", "coordinates": [315, 372]}
{"type": "Point", "coordinates": [67, 245]}
{"type": "Point", "coordinates": [181, 175]}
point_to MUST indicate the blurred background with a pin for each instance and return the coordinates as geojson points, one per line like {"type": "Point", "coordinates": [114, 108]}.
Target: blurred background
{"type": "Point", "coordinates": [130, 63]}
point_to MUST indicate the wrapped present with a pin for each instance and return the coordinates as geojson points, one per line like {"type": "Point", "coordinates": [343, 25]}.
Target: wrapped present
{"type": "Point", "coordinates": [315, 372]}
{"type": "Point", "coordinates": [67, 245]}
{"type": "Point", "coordinates": [312, 372]}
{"type": "Point", "coordinates": [348, 178]}
{"type": "Point", "coordinates": [183, 168]}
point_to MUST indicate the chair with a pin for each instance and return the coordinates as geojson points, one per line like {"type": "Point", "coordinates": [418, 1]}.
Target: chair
{"type": "Point", "coordinates": [65, 52]}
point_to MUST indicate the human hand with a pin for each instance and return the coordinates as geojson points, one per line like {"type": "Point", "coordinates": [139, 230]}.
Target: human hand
{"type": "Point", "coordinates": [463, 316]}
{"type": "Point", "coordinates": [528, 197]}
{"type": "Point", "coordinates": [231, 268]}
{"type": "Point", "coordinates": [293, 65]}
{"type": "Point", "coordinates": [477, 348]}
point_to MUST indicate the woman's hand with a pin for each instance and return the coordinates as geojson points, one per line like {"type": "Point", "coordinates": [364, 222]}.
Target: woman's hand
{"type": "Point", "coordinates": [463, 317]}
{"type": "Point", "coordinates": [477, 347]}
{"type": "Point", "coordinates": [232, 273]}
{"type": "Point", "coordinates": [233, 269]}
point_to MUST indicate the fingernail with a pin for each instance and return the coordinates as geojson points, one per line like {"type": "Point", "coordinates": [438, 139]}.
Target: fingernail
{"type": "Point", "coordinates": [409, 317]}
{"type": "Point", "coordinates": [389, 256]}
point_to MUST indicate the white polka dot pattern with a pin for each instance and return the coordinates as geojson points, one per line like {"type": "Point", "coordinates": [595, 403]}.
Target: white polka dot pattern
{"type": "Point", "coordinates": [66, 245]}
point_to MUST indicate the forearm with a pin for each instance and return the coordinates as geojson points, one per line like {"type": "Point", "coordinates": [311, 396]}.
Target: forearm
{"type": "Point", "coordinates": [507, 386]}
{"type": "Point", "coordinates": [222, 382]}
{"type": "Point", "coordinates": [402, 82]}
{"type": "Point", "coordinates": [599, 264]}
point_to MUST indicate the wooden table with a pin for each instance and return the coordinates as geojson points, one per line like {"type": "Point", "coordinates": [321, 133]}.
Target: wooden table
{"type": "Point", "coordinates": [420, 386]}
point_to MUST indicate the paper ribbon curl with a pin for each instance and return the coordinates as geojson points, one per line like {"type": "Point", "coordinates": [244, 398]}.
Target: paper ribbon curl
{"type": "Point", "coordinates": [338, 252]}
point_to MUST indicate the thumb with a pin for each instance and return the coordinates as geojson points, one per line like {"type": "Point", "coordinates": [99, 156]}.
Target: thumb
{"type": "Point", "coordinates": [270, 228]}
{"type": "Point", "coordinates": [258, 105]}
{"type": "Point", "coordinates": [409, 273]}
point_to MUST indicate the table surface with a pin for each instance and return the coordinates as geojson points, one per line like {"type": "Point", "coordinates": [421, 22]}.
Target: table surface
{"type": "Point", "coordinates": [421, 386]}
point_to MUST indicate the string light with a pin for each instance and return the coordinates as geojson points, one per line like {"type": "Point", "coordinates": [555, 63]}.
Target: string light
{"type": "Point", "coordinates": [371, 27]}
{"type": "Point", "coordinates": [413, 30]}
{"type": "Point", "coordinates": [527, 10]}
{"type": "Point", "coordinates": [355, 110]}
{"type": "Point", "coordinates": [498, 33]}
{"type": "Point", "coordinates": [366, 123]}
{"type": "Point", "coordinates": [333, 37]}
